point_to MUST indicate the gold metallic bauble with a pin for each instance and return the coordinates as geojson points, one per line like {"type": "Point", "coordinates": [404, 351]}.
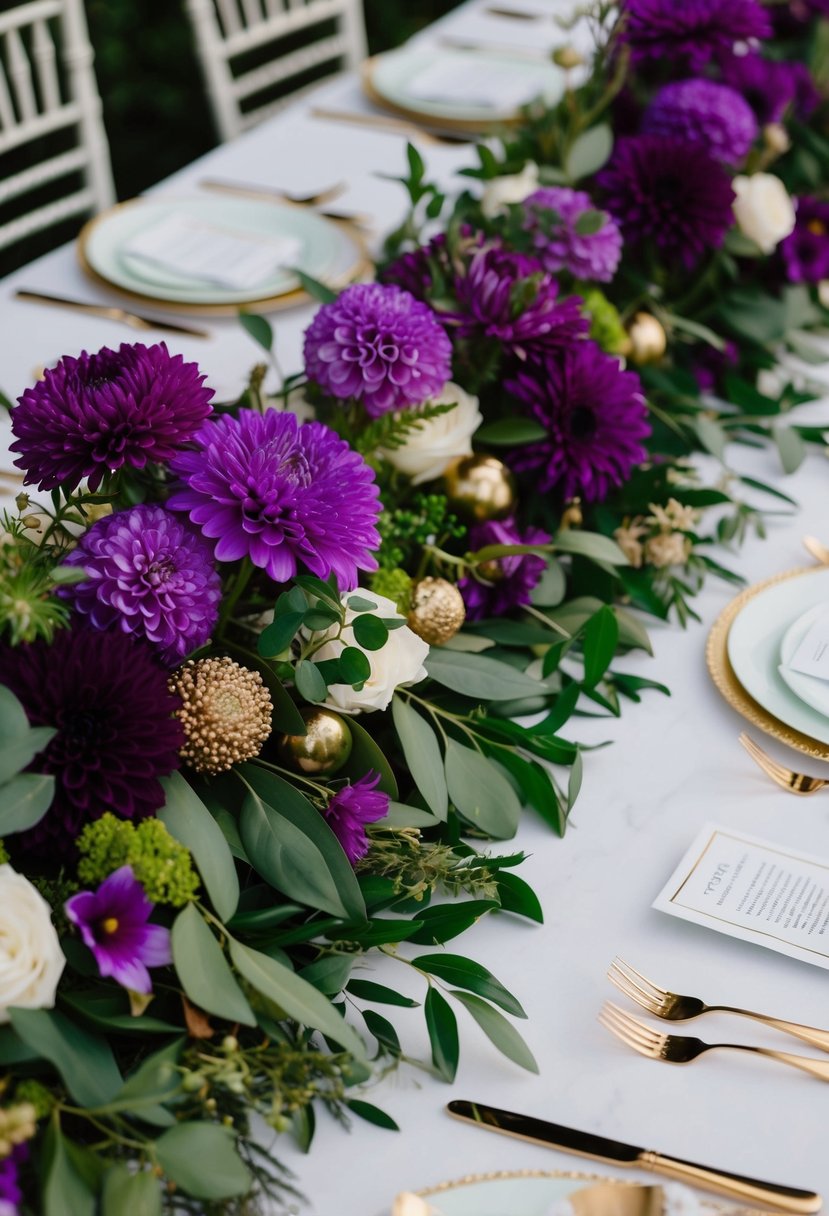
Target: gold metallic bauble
{"type": "Point", "coordinates": [480, 488]}
{"type": "Point", "coordinates": [437, 610]}
{"type": "Point", "coordinates": [493, 570]}
{"type": "Point", "coordinates": [325, 747]}
{"type": "Point", "coordinates": [572, 516]}
{"type": "Point", "coordinates": [648, 341]}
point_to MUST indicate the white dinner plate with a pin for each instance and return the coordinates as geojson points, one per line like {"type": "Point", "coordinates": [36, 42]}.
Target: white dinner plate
{"type": "Point", "coordinates": [810, 689]}
{"type": "Point", "coordinates": [524, 1193]}
{"type": "Point", "coordinates": [755, 642]}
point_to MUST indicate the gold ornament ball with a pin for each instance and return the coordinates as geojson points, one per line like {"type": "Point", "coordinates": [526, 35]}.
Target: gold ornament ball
{"type": "Point", "coordinates": [648, 341]}
{"type": "Point", "coordinates": [492, 570]}
{"type": "Point", "coordinates": [572, 516]}
{"type": "Point", "coordinates": [480, 488]}
{"type": "Point", "coordinates": [437, 610]}
{"type": "Point", "coordinates": [324, 748]}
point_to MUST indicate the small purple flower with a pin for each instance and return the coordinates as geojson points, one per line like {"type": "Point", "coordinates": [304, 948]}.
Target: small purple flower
{"type": "Point", "coordinates": [98, 413]}
{"type": "Point", "coordinates": [704, 112]}
{"type": "Point", "coordinates": [511, 579]}
{"type": "Point", "coordinates": [351, 809]}
{"type": "Point", "coordinates": [150, 574]}
{"type": "Point", "coordinates": [113, 924]}
{"type": "Point", "coordinates": [709, 365]}
{"type": "Point", "coordinates": [806, 251]}
{"type": "Point", "coordinates": [596, 422]}
{"type": "Point", "coordinates": [11, 1193]}
{"type": "Point", "coordinates": [415, 271]}
{"type": "Point", "coordinates": [380, 345]}
{"type": "Point", "coordinates": [559, 245]}
{"type": "Point", "coordinates": [284, 494]}
{"type": "Point", "coordinates": [670, 193]}
{"type": "Point", "coordinates": [693, 31]}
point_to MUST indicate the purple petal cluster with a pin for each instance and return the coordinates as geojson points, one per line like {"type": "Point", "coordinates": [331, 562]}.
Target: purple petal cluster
{"type": "Point", "coordinates": [415, 271]}
{"type": "Point", "coordinates": [11, 1193]}
{"type": "Point", "coordinates": [351, 809]}
{"type": "Point", "coordinates": [151, 574]}
{"type": "Point", "coordinates": [771, 86]}
{"type": "Point", "coordinates": [559, 245]}
{"type": "Point", "coordinates": [113, 922]}
{"type": "Point", "coordinates": [693, 31]}
{"type": "Point", "coordinates": [704, 112]}
{"type": "Point", "coordinates": [806, 251]}
{"type": "Point", "coordinates": [98, 413]}
{"type": "Point", "coordinates": [670, 193]}
{"type": "Point", "coordinates": [107, 698]}
{"type": "Point", "coordinates": [595, 417]}
{"type": "Point", "coordinates": [283, 494]}
{"type": "Point", "coordinates": [379, 345]}
{"type": "Point", "coordinates": [509, 583]}
{"type": "Point", "coordinates": [710, 365]}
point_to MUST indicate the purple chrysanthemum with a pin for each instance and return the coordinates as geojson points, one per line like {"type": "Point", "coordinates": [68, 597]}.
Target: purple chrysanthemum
{"type": "Point", "coordinates": [98, 413]}
{"type": "Point", "coordinates": [595, 417]}
{"type": "Point", "coordinates": [114, 925]}
{"type": "Point", "coordinates": [771, 86]}
{"type": "Point", "coordinates": [693, 31]}
{"type": "Point", "coordinates": [514, 576]}
{"type": "Point", "coordinates": [709, 365]}
{"type": "Point", "coordinates": [380, 345]}
{"type": "Point", "coordinates": [414, 271]}
{"type": "Point", "coordinates": [668, 192]}
{"type": "Point", "coordinates": [265, 487]}
{"type": "Point", "coordinates": [707, 113]}
{"type": "Point", "coordinates": [351, 809]}
{"type": "Point", "coordinates": [150, 574]}
{"type": "Point", "coordinates": [806, 251]}
{"type": "Point", "coordinates": [559, 245]}
{"type": "Point", "coordinates": [106, 697]}
{"type": "Point", "coordinates": [11, 1193]}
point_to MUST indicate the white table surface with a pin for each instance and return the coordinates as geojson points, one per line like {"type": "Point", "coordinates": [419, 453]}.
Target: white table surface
{"type": "Point", "coordinates": [673, 765]}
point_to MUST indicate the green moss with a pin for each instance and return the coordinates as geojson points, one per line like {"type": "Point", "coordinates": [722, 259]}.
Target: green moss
{"type": "Point", "coordinates": [162, 865]}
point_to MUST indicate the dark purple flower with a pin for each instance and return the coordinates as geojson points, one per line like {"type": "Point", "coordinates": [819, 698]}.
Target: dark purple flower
{"type": "Point", "coordinates": [107, 698]}
{"type": "Point", "coordinates": [113, 924]}
{"type": "Point", "coordinates": [92, 415]}
{"type": "Point", "coordinates": [693, 31]}
{"type": "Point", "coordinates": [806, 251]}
{"type": "Point", "coordinates": [704, 112]}
{"type": "Point", "coordinates": [150, 574]}
{"type": "Point", "coordinates": [11, 1193]}
{"type": "Point", "coordinates": [351, 809]}
{"type": "Point", "coordinates": [771, 86]}
{"type": "Point", "coordinates": [417, 270]}
{"type": "Point", "coordinates": [595, 417]}
{"type": "Point", "coordinates": [709, 365]}
{"type": "Point", "coordinates": [265, 487]}
{"type": "Point", "coordinates": [380, 345]}
{"type": "Point", "coordinates": [670, 193]}
{"type": "Point", "coordinates": [509, 580]}
{"type": "Point", "coordinates": [559, 245]}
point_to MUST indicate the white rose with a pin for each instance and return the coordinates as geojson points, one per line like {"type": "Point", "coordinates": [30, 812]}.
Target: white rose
{"type": "Point", "coordinates": [31, 960]}
{"type": "Point", "coordinates": [514, 188]}
{"type": "Point", "coordinates": [432, 446]}
{"type": "Point", "coordinates": [763, 210]}
{"type": "Point", "coordinates": [399, 662]}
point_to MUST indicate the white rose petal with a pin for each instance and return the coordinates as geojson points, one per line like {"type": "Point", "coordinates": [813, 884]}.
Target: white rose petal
{"type": "Point", "coordinates": [399, 662]}
{"type": "Point", "coordinates": [432, 446]}
{"type": "Point", "coordinates": [31, 960]}
{"type": "Point", "coordinates": [514, 188]}
{"type": "Point", "coordinates": [763, 209]}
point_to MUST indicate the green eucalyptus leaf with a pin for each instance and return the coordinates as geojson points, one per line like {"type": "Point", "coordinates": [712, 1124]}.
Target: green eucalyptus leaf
{"type": "Point", "coordinates": [329, 973]}
{"type": "Point", "coordinates": [128, 1194]}
{"type": "Point", "coordinates": [590, 544]}
{"type": "Point", "coordinates": [423, 757]}
{"type": "Point", "coordinates": [367, 990]}
{"type": "Point", "coordinates": [790, 446]}
{"type": "Point", "coordinates": [25, 800]}
{"type": "Point", "coordinates": [366, 756]}
{"type": "Point", "coordinates": [510, 432]}
{"type": "Point", "coordinates": [472, 977]}
{"type": "Point", "coordinates": [711, 435]}
{"type": "Point", "coordinates": [517, 896]}
{"type": "Point", "coordinates": [601, 636]}
{"type": "Point", "coordinates": [383, 1031]}
{"type": "Point", "coordinates": [277, 637]}
{"type": "Point", "coordinates": [355, 666]}
{"type": "Point", "coordinates": [316, 290]}
{"type": "Point", "coordinates": [65, 1191]}
{"type": "Point", "coordinates": [259, 329]}
{"type": "Point", "coordinates": [443, 1034]}
{"type": "Point", "coordinates": [13, 721]}
{"type": "Point", "coordinates": [204, 971]}
{"type": "Point", "coordinates": [588, 152]}
{"type": "Point", "coordinates": [17, 752]}
{"type": "Point", "coordinates": [310, 682]}
{"type": "Point", "coordinates": [480, 677]}
{"type": "Point", "coordinates": [498, 1030]}
{"type": "Point", "coordinates": [372, 1114]}
{"type": "Point", "coordinates": [202, 1160]}
{"type": "Point", "coordinates": [187, 819]}
{"type": "Point", "coordinates": [480, 792]}
{"type": "Point", "coordinates": [369, 631]}
{"type": "Point", "coordinates": [445, 921]}
{"type": "Point", "coordinates": [84, 1061]}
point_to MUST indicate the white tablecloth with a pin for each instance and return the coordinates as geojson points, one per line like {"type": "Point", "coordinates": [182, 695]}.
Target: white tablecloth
{"type": "Point", "coordinates": [673, 764]}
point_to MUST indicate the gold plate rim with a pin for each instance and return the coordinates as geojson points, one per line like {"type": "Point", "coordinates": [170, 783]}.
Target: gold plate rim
{"type": "Point", "coordinates": [730, 688]}
{"type": "Point", "coordinates": [461, 126]}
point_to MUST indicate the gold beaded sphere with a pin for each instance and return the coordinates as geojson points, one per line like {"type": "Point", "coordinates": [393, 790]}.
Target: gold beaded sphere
{"type": "Point", "coordinates": [648, 341]}
{"type": "Point", "coordinates": [324, 748]}
{"type": "Point", "coordinates": [437, 610]}
{"type": "Point", "coordinates": [225, 712]}
{"type": "Point", "coordinates": [480, 488]}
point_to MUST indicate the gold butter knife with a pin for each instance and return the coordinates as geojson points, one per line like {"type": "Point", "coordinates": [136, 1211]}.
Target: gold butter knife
{"type": "Point", "coordinates": [111, 312]}
{"type": "Point", "coordinates": [379, 122]}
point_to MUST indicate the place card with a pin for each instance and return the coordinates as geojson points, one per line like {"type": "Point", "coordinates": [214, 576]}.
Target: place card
{"type": "Point", "coordinates": [754, 890]}
{"type": "Point", "coordinates": [811, 656]}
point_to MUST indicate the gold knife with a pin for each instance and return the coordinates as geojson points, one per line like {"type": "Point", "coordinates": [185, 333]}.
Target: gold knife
{"type": "Point", "coordinates": [586, 1144]}
{"type": "Point", "coordinates": [111, 313]}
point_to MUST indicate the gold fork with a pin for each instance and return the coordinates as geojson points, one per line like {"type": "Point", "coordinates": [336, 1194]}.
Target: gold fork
{"type": "Point", "coordinates": [682, 1049]}
{"type": "Point", "coordinates": [786, 778]}
{"type": "Point", "coordinates": [673, 1007]}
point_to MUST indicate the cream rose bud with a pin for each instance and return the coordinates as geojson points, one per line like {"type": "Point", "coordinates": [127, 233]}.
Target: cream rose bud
{"type": "Point", "coordinates": [763, 209]}
{"type": "Point", "coordinates": [434, 443]}
{"type": "Point", "coordinates": [513, 188]}
{"type": "Point", "coordinates": [31, 960]}
{"type": "Point", "coordinates": [399, 662]}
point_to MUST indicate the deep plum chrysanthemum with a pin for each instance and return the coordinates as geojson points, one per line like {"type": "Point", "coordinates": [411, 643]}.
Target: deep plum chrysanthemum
{"type": "Point", "coordinates": [559, 245]}
{"type": "Point", "coordinates": [707, 113]}
{"type": "Point", "coordinates": [693, 31]}
{"type": "Point", "coordinates": [380, 345]}
{"type": "Point", "coordinates": [351, 809]}
{"type": "Point", "coordinates": [595, 417]}
{"type": "Point", "coordinates": [770, 86]}
{"type": "Point", "coordinates": [106, 696]}
{"type": "Point", "coordinates": [668, 192]}
{"type": "Point", "coordinates": [508, 580]}
{"type": "Point", "coordinates": [709, 365]}
{"type": "Point", "coordinates": [98, 413]}
{"type": "Point", "coordinates": [806, 251]}
{"type": "Point", "coordinates": [265, 487]}
{"type": "Point", "coordinates": [415, 271]}
{"type": "Point", "coordinates": [149, 573]}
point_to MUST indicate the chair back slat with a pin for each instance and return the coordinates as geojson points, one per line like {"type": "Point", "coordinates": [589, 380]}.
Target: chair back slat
{"type": "Point", "coordinates": [20, 76]}
{"type": "Point", "coordinates": [39, 175]}
{"type": "Point", "coordinates": [290, 65]}
{"type": "Point", "coordinates": [46, 216]}
{"type": "Point", "coordinates": [8, 119]}
{"type": "Point", "coordinates": [46, 65]}
{"type": "Point", "coordinates": [252, 11]}
{"type": "Point", "coordinates": [229, 13]}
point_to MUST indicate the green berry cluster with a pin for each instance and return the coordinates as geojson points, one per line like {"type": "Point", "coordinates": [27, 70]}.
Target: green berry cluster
{"type": "Point", "coordinates": [605, 323]}
{"type": "Point", "coordinates": [162, 865]}
{"type": "Point", "coordinates": [36, 1095]}
{"type": "Point", "coordinates": [426, 520]}
{"type": "Point", "coordinates": [395, 584]}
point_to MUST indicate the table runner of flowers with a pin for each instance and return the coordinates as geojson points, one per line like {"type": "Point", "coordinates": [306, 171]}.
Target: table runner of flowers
{"type": "Point", "coordinates": [279, 677]}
